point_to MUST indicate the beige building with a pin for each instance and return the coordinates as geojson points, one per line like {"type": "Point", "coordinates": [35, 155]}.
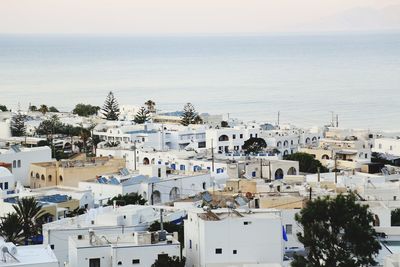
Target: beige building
{"type": "Point", "coordinates": [71, 172]}
{"type": "Point", "coordinates": [341, 154]}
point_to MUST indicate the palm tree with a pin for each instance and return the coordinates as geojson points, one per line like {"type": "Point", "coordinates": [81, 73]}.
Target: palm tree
{"type": "Point", "coordinates": [44, 109]}
{"type": "Point", "coordinates": [151, 106]}
{"type": "Point", "coordinates": [11, 228]}
{"type": "Point", "coordinates": [31, 216]}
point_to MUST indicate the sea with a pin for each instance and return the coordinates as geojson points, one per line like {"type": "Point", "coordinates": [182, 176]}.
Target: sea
{"type": "Point", "coordinates": [304, 77]}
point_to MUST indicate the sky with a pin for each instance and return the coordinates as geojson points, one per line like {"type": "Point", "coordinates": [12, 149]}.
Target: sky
{"type": "Point", "coordinates": [196, 16]}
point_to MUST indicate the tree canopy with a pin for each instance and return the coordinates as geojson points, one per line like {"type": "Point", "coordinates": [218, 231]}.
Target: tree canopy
{"type": "Point", "coordinates": [142, 116]}
{"type": "Point", "coordinates": [336, 232]}
{"type": "Point", "coordinates": [85, 110]}
{"type": "Point", "coordinates": [3, 108]}
{"type": "Point", "coordinates": [254, 145]}
{"type": "Point", "coordinates": [11, 228]}
{"type": "Point", "coordinates": [110, 108]}
{"type": "Point", "coordinates": [307, 163]}
{"type": "Point", "coordinates": [151, 106]}
{"type": "Point", "coordinates": [395, 217]}
{"type": "Point", "coordinates": [53, 109]}
{"type": "Point", "coordinates": [169, 262]}
{"type": "Point", "coordinates": [190, 116]}
{"type": "Point", "coordinates": [128, 199]}
{"type": "Point", "coordinates": [170, 228]}
{"type": "Point", "coordinates": [43, 108]}
{"type": "Point", "coordinates": [17, 125]}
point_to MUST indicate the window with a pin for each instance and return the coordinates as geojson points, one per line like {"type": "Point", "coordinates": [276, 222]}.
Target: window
{"type": "Point", "coordinates": [14, 164]}
{"type": "Point", "coordinates": [241, 136]}
{"type": "Point", "coordinates": [246, 223]}
{"type": "Point", "coordinates": [42, 177]}
{"type": "Point", "coordinates": [49, 178]}
{"type": "Point", "coordinates": [366, 155]}
{"type": "Point", "coordinates": [1, 186]}
{"type": "Point", "coordinates": [251, 135]}
{"type": "Point", "coordinates": [289, 229]}
{"type": "Point", "coordinates": [94, 262]}
{"type": "Point", "coordinates": [256, 135]}
{"type": "Point", "coordinates": [135, 261]}
{"type": "Point", "coordinates": [5, 185]}
{"type": "Point", "coordinates": [235, 251]}
{"type": "Point", "coordinates": [119, 263]}
{"type": "Point", "coordinates": [61, 178]}
{"type": "Point", "coordinates": [234, 136]}
{"type": "Point", "coordinates": [218, 251]}
{"type": "Point", "coordinates": [204, 185]}
{"type": "Point", "coordinates": [190, 243]}
{"type": "Point", "coordinates": [19, 163]}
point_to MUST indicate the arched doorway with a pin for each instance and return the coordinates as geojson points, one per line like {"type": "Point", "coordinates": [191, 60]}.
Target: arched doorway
{"type": "Point", "coordinates": [279, 174]}
{"type": "Point", "coordinates": [156, 197]}
{"type": "Point", "coordinates": [174, 194]}
{"type": "Point", "coordinates": [146, 161]}
{"type": "Point", "coordinates": [292, 171]}
{"type": "Point", "coordinates": [223, 137]}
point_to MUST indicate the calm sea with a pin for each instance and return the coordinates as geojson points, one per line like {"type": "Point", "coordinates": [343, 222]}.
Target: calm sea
{"type": "Point", "coordinates": [305, 77]}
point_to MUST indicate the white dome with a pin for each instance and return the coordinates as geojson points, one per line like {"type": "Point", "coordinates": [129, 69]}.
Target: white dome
{"type": "Point", "coordinates": [5, 172]}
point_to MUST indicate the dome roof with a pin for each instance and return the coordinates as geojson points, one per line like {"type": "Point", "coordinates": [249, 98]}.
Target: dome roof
{"type": "Point", "coordinates": [5, 172]}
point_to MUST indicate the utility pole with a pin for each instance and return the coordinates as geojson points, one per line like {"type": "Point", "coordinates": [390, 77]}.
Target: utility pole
{"type": "Point", "coordinates": [152, 193]}
{"type": "Point", "coordinates": [310, 193]}
{"type": "Point", "coordinates": [332, 119]}
{"type": "Point", "coordinates": [212, 155]}
{"type": "Point", "coordinates": [337, 121]}
{"type": "Point", "coordinates": [335, 169]}
{"type": "Point", "coordinates": [134, 153]}
{"type": "Point", "coordinates": [279, 115]}
{"type": "Point", "coordinates": [261, 169]}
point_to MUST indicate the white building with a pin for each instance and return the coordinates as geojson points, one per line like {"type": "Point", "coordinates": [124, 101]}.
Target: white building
{"type": "Point", "coordinates": [21, 159]}
{"type": "Point", "coordinates": [139, 249]}
{"type": "Point", "coordinates": [104, 220]}
{"type": "Point", "coordinates": [7, 182]}
{"type": "Point", "coordinates": [154, 184]}
{"type": "Point", "coordinates": [27, 256]}
{"type": "Point", "coordinates": [390, 146]}
{"type": "Point", "coordinates": [233, 238]}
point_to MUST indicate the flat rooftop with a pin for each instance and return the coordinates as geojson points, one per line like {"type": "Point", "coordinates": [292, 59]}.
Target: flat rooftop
{"type": "Point", "coordinates": [33, 254]}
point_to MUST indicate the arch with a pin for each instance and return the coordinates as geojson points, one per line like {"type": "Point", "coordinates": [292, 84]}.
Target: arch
{"type": "Point", "coordinates": [32, 174]}
{"type": "Point", "coordinates": [279, 174]}
{"type": "Point", "coordinates": [223, 137]}
{"type": "Point", "coordinates": [37, 176]}
{"type": "Point", "coordinates": [204, 185]}
{"type": "Point", "coordinates": [174, 194]}
{"type": "Point", "coordinates": [286, 143]}
{"type": "Point", "coordinates": [49, 177]}
{"type": "Point", "coordinates": [14, 164]}
{"type": "Point", "coordinates": [292, 171]}
{"type": "Point", "coordinates": [61, 178]}
{"type": "Point", "coordinates": [308, 140]}
{"type": "Point", "coordinates": [314, 139]}
{"type": "Point", "coordinates": [173, 166]}
{"type": "Point", "coordinates": [146, 161]}
{"type": "Point", "coordinates": [42, 177]}
{"type": "Point", "coordinates": [19, 163]}
{"type": "Point", "coordinates": [285, 152]}
{"type": "Point", "coordinates": [279, 144]}
{"type": "Point", "coordinates": [377, 221]}
{"type": "Point", "coordinates": [325, 156]}
{"type": "Point", "coordinates": [153, 161]}
{"type": "Point", "coordinates": [156, 197]}
{"type": "Point", "coordinates": [182, 167]}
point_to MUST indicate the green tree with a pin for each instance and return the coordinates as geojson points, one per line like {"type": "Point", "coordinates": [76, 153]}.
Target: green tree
{"type": "Point", "coordinates": [189, 115]}
{"type": "Point", "coordinates": [31, 216]}
{"type": "Point", "coordinates": [3, 108]}
{"type": "Point", "coordinates": [170, 228]}
{"type": "Point", "coordinates": [169, 262]}
{"type": "Point", "coordinates": [76, 212]}
{"type": "Point", "coordinates": [151, 106]}
{"type": "Point", "coordinates": [84, 110]}
{"type": "Point", "coordinates": [142, 116]}
{"type": "Point", "coordinates": [395, 217]}
{"type": "Point", "coordinates": [33, 108]}
{"type": "Point", "coordinates": [18, 124]}
{"type": "Point", "coordinates": [110, 108]}
{"type": "Point", "coordinates": [338, 232]}
{"type": "Point", "coordinates": [53, 109]}
{"type": "Point", "coordinates": [43, 108]}
{"type": "Point", "coordinates": [254, 145]}
{"type": "Point", "coordinates": [11, 228]}
{"type": "Point", "coordinates": [307, 163]}
{"type": "Point", "coordinates": [128, 199]}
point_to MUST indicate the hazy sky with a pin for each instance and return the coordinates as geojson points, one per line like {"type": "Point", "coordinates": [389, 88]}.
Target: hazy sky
{"type": "Point", "coordinates": [200, 16]}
